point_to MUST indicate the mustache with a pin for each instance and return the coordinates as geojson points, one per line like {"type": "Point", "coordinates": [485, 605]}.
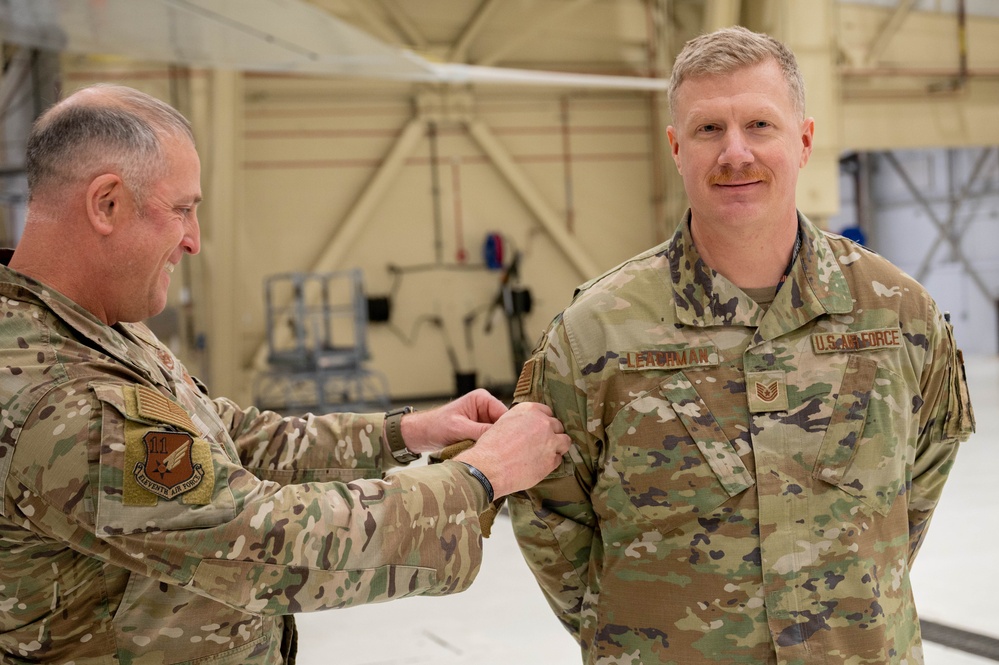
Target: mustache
{"type": "Point", "coordinates": [745, 175]}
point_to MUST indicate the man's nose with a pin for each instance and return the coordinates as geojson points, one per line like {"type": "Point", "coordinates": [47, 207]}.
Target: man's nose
{"type": "Point", "coordinates": [736, 151]}
{"type": "Point", "coordinates": [191, 243]}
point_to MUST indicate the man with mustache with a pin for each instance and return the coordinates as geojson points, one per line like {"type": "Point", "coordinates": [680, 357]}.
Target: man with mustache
{"type": "Point", "coordinates": [143, 521]}
{"type": "Point", "coordinates": [763, 414]}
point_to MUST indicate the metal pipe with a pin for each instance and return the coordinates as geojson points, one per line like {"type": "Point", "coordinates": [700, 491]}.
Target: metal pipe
{"type": "Point", "coordinates": [570, 211]}
{"type": "Point", "coordinates": [435, 193]}
{"type": "Point", "coordinates": [894, 72]}
{"type": "Point", "coordinates": [461, 253]}
{"type": "Point", "coordinates": [962, 42]}
{"type": "Point", "coordinates": [653, 54]}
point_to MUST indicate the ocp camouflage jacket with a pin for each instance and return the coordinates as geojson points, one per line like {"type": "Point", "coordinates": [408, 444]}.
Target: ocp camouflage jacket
{"type": "Point", "coordinates": [745, 485]}
{"type": "Point", "coordinates": [144, 522]}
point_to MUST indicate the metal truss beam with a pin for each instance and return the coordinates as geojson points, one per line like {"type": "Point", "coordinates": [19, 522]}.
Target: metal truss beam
{"type": "Point", "coordinates": [532, 198]}
{"type": "Point", "coordinates": [946, 228]}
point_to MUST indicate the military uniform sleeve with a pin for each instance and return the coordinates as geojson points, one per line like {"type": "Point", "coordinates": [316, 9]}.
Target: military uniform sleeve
{"type": "Point", "coordinates": [554, 521]}
{"type": "Point", "coordinates": [121, 476]}
{"type": "Point", "coordinates": [945, 420]}
{"type": "Point", "coordinates": [335, 446]}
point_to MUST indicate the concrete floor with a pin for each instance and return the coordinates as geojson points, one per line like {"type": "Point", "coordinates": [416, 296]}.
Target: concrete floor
{"type": "Point", "coordinates": [503, 619]}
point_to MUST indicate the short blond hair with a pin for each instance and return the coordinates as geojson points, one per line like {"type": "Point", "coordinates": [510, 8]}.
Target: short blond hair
{"type": "Point", "coordinates": [728, 49]}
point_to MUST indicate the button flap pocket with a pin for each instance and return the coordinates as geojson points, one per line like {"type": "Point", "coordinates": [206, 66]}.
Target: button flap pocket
{"type": "Point", "coordinates": [847, 420]}
{"type": "Point", "coordinates": [668, 462]}
{"type": "Point", "coordinates": [717, 450]}
{"type": "Point", "coordinates": [860, 451]}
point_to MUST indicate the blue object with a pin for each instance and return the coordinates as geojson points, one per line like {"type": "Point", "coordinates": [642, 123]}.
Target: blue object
{"type": "Point", "coordinates": [855, 234]}
{"type": "Point", "coordinates": [492, 251]}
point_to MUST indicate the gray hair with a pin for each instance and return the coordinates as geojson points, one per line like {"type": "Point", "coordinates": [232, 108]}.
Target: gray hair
{"type": "Point", "coordinates": [102, 129]}
{"type": "Point", "coordinates": [729, 49]}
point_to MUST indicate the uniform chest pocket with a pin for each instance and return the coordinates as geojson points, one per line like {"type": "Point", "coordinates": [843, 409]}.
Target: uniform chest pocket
{"type": "Point", "coordinates": [155, 471]}
{"type": "Point", "coordinates": [670, 460]}
{"type": "Point", "coordinates": [866, 446]}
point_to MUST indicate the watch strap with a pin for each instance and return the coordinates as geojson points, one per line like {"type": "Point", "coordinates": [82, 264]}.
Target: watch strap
{"type": "Point", "coordinates": [393, 436]}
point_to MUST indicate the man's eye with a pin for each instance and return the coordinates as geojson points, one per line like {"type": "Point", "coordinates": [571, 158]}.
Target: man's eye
{"type": "Point", "coordinates": [759, 124]}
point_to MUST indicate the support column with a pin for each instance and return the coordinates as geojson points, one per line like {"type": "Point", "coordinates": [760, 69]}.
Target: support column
{"type": "Point", "coordinates": [809, 31]}
{"type": "Point", "coordinates": [220, 146]}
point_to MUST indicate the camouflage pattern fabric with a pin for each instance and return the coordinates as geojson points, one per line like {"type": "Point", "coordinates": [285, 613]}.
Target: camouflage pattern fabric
{"type": "Point", "coordinates": [143, 522]}
{"type": "Point", "coordinates": [488, 516]}
{"type": "Point", "coordinates": [744, 485]}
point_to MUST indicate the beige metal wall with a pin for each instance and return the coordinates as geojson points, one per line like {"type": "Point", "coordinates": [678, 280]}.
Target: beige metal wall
{"type": "Point", "coordinates": [319, 174]}
{"type": "Point", "coordinates": [341, 176]}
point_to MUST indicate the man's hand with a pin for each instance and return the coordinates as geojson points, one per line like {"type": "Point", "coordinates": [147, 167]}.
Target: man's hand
{"type": "Point", "coordinates": [467, 417]}
{"type": "Point", "coordinates": [524, 446]}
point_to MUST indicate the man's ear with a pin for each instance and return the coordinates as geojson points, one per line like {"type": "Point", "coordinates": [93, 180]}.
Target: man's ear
{"type": "Point", "coordinates": [105, 198]}
{"type": "Point", "coordinates": [807, 141]}
{"type": "Point", "coordinates": [674, 147]}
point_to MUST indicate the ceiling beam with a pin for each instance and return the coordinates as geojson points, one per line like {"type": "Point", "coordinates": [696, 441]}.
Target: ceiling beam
{"type": "Point", "coordinates": [888, 30]}
{"type": "Point", "coordinates": [459, 51]}
{"type": "Point", "coordinates": [528, 32]}
{"type": "Point", "coordinates": [406, 25]}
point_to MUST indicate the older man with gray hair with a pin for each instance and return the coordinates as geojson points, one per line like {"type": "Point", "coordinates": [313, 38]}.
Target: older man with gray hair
{"type": "Point", "coordinates": [143, 521]}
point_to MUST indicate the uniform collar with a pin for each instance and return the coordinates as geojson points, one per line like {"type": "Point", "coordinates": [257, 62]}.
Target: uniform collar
{"type": "Point", "coordinates": [704, 298]}
{"type": "Point", "coordinates": [119, 341]}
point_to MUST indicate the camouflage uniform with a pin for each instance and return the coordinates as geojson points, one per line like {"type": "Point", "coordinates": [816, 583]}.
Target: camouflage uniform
{"type": "Point", "coordinates": [744, 485]}
{"type": "Point", "coordinates": [143, 522]}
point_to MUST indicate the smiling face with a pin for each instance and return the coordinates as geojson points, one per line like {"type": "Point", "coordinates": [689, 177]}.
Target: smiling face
{"type": "Point", "coordinates": [151, 242]}
{"type": "Point", "coordinates": [738, 143]}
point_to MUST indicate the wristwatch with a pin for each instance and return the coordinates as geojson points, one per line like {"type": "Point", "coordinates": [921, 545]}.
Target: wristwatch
{"type": "Point", "coordinates": [393, 435]}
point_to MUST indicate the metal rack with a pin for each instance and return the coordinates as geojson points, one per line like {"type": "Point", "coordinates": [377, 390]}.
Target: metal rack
{"type": "Point", "coordinates": [322, 369]}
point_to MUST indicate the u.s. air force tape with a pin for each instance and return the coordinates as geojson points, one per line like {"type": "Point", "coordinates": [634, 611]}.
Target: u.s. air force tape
{"type": "Point", "coordinates": [861, 340]}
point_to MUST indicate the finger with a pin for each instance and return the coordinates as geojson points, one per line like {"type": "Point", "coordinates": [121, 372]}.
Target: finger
{"type": "Point", "coordinates": [533, 407]}
{"type": "Point", "coordinates": [487, 407]}
{"type": "Point", "coordinates": [477, 430]}
{"type": "Point", "coordinates": [543, 408]}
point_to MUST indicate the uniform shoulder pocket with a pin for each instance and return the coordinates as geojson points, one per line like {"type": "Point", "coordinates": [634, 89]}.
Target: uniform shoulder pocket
{"type": "Point", "coordinates": [157, 470]}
